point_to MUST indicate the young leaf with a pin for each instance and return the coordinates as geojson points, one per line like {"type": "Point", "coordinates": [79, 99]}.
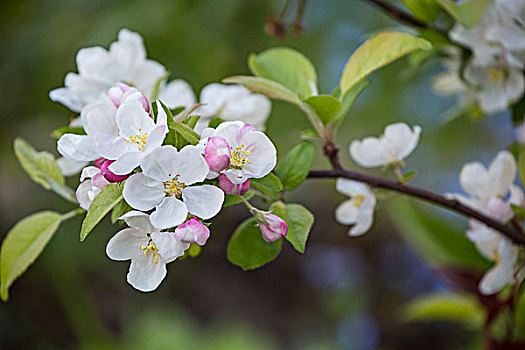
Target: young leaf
{"type": "Point", "coordinates": [294, 168]}
{"type": "Point", "coordinates": [408, 176]}
{"type": "Point", "coordinates": [269, 185]}
{"type": "Point", "coordinates": [23, 244]}
{"type": "Point", "coordinates": [446, 307]}
{"type": "Point", "coordinates": [325, 106]}
{"type": "Point", "coordinates": [265, 87]}
{"type": "Point", "coordinates": [101, 205]}
{"type": "Point", "coordinates": [186, 132]}
{"type": "Point", "coordinates": [349, 100]}
{"type": "Point", "coordinates": [248, 250]}
{"type": "Point", "coordinates": [425, 10]}
{"type": "Point", "coordinates": [43, 169]}
{"type": "Point", "coordinates": [287, 67]}
{"type": "Point", "coordinates": [58, 133]}
{"type": "Point", "coordinates": [118, 210]}
{"type": "Point", "coordinates": [192, 120]}
{"type": "Point", "coordinates": [299, 220]}
{"type": "Point", "coordinates": [468, 13]}
{"type": "Point", "coordinates": [377, 52]}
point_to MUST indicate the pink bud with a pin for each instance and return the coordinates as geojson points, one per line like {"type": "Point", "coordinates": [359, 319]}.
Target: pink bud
{"type": "Point", "coordinates": [217, 153]}
{"type": "Point", "coordinates": [122, 92]}
{"type": "Point", "coordinates": [230, 188]}
{"type": "Point", "coordinates": [275, 229]}
{"type": "Point", "coordinates": [110, 176]}
{"type": "Point", "coordinates": [99, 162]}
{"type": "Point", "coordinates": [192, 231]}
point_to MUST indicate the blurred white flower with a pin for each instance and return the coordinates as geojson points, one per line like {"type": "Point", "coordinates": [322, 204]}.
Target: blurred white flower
{"type": "Point", "coordinates": [396, 143]}
{"type": "Point", "coordinates": [148, 249]}
{"type": "Point", "coordinates": [91, 183]}
{"type": "Point", "coordinates": [359, 209]}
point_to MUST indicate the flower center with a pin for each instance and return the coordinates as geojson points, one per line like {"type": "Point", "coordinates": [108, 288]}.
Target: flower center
{"type": "Point", "coordinates": [151, 248]}
{"type": "Point", "coordinates": [174, 186]}
{"type": "Point", "coordinates": [139, 139]}
{"type": "Point", "coordinates": [496, 75]}
{"type": "Point", "coordinates": [239, 157]}
{"type": "Point", "coordinates": [358, 200]}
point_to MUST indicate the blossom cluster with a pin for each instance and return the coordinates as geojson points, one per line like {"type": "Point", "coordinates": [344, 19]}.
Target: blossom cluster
{"type": "Point", "coordinates": [124, 139]}
{"type": "Point", "coordinates": [492, 77]}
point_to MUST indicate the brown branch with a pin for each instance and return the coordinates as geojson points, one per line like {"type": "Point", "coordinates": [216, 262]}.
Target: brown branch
{"type": "Point", "coordinates": [509, 231]}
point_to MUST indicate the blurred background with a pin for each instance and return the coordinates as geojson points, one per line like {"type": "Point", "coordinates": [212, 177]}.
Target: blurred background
{"type": "Point", "coordinates": [343, 293]}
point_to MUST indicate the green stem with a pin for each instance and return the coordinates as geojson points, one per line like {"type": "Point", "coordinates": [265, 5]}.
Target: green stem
{"type": "Point", "coordinates": [72, 214]}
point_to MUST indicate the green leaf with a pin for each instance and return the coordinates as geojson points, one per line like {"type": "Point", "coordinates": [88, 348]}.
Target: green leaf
{"type": "Point", "coordinates": [520, 317]}
{"type": "Point", "coordinates": [294, 168]}
{"type": "Point", "coordinates": [230, 200]}
{"type": "Point", "coordinates": [377, 52]}
{"type": "Point", "coordinates": [265, 87]}
{"type": "Point", "coordinates": [101, 205]}
{"type": "Point", "coordinates": [436, 240]}
{"type": "Point", "coordinates": [408, 176]}
{"type": "Point", "coordinates": [58, 133]}
{"type": "Point", "coordinates": [23, 244]}
{"type": "Point", "coordinates": [425, 10]}
{"type": "Point", "coordinates": [248, 250]}
{"type": "Point", "coordinates": [521, 166]}
{"type": "Point", "coordinates": [325, 106]}
{"type": "Point", "coordinates": [448, 307]}
{"type": "Point", "coordinates": [192, 120]}
{"type": "Point", "coordinates": [118, 210]}
{"type": "Point", "coordinates": [309, 133]}
{"type": "Point", "coordinates": [299, 220]}
{"type": "Point", "coordinates": [186, 132]}
{"type": "Point", "coordinates": [287, 67]}
{"type": "Point", "coordinates": [349, 99]}
{"type": "Point", "coordinates": [518, 210]}
{"type": "Point", "coordinates": [269, 185]}
{"type": "Point", "coordinates": [468, 13]}
{"type": "Point", "coordinates": [43, 169]}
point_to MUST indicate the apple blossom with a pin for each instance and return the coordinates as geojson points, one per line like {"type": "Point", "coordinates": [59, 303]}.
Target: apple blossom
{"type": "Point", "coordinates": [70, 167]}
{"type": "Point", "coordinates": [359, 209]}
{"type": "Point", "coordinates": [177, 93]}
{"type": "Point", "coordinates": [232, 102]}
{"type": "Point", "coordinates": [396, 143]}
{"type": "Point", "coordinates": [192, 231]}
{"type": "Point", "coordinates": [147, 247]}
{"type": "Point", "coordinates": [233, 188]}
{"type": "Point", "coordinates": [138, 135]}
{"type": "Point", "coordinates": [122, 92]}
{"type": "Point", "coordinates": [109, 175]}
{"type": "Point", "coordinates": [91, 183]}
{"type": "Point", "coordinates": [166, 178]}
{"type": "Point", "coordinates": [252, 154]}
{"type": "Point", "coordinates": [273, 227]}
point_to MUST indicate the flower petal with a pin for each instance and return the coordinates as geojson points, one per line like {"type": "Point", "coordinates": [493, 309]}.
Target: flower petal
{"type": "Point", "coordinates": [169, 213]}
{"type": "Point", "coordinates": [126, 244]}
{"type": "Point", "coordinates": [351, 187]}
{"type": "Point", "coordinates": [346, 213]}
{"type": "Point", "coordinates": [126, 163]}
{"type": "Point", "coordinates": [369, 152]}
{"type": "Point", "coordinates": [191, 165]}
{"type": "Point", "coordinates": [160, 163]}
{"type": "Point", "coordinates": [501, 174]}
{"type": "Point", "coordinates": [203, 201]}
{"type": "Point", "coordinates": [177, 93]}
{"type": "Point", "coordinates": [146, 275]}
{"type": "Point", "coordinates": [138, 220]}
{"type": "Point", "coordinates": [170, 248]}
{"type": "Point", "coordinates": [77, 147]}
{"type": "Point", "coordinates": [110, 146]}
{"type": "Point", "coordinates": [133, 120]}
{"type": "Point", "coordinates": [401, 140]}
{"type": "Point", "coordinates": [142, 192]}
{"type": "Point", "coordinates": [473, 178]}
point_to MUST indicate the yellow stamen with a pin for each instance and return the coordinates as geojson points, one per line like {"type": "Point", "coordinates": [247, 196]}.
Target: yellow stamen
{"type": "Point", "coordinates": [174, 186]}
{"type": "Point", "coordinates": [151, 248]}
{"type": "Point", "coordinates": [496, 75]}
{"type": "Point", "coordinates": [358, 200]}
{"type": "Point", "coordinates": [139, 139]}
{"type": "Point", "coordinates": [239, 157]}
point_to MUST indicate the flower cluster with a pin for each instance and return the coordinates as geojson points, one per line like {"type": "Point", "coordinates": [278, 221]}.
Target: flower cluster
{"type": "Point", "coordinates": [169, 191]}
{"type": "Point", "coordinates": [492, 77]}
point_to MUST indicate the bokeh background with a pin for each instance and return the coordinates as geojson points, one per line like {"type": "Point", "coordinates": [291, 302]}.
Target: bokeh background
{"type": "Point", "coordinates": [343, 293]}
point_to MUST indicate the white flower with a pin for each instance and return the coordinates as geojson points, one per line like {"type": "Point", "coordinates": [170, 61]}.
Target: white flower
{"type": "Point", "coordinates": [359, 210]}
{"type": "Point", "coordinates": [148, 248]}
{"type": "Point", "coordinates": [482, 184]}
{"type": "Point", "coordinates": [97, 117]}
{"type": "Point", "coordinates": [396, 143]}
{"type": "Point", "coordinates": [166, 178]}
{"type": "Point", "coordinates": [251, 153]}
{"type": "Point", "coordinates": [91, 183]}
{"type": "Point", "coordinates": [232, 102]}
{"type": "Point", "coordinates": [70, 167]}
{"type": "Point", "coordinates": [138, 135]}
{"type": "Point", "coordinates": [99, 69]}
{"type": "Point", "coordinates": [177, 93]}
{"type": "Point", "coordinates": [494, 246]}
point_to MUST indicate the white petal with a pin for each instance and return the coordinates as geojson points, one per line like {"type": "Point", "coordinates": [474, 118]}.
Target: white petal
{"type": "Point", "coordinates": [155, 138]}
{"type": "Point", "coordinates": [346, 213]}
{"type": "Point", "coordinates": [142, 192]}
{"type": "Point", "coordinates": [77, 147]}
{"type": "Point", "coordinates": [126, 163]}
{"type": "Point", "coordinates": [170, 213]}
{"type": "Point", "coordinates": [160, 163]}
{"type": "Point", "coordinates": [401, 140]}
{"type": "Point", "coordinates": [473, 178]}
{"type": "Point", "coordinates": [203, 201]}
{"type": "Point", "coordinates": [263, 155]}
{"type": "Point", "coordinates": [501, 174]}
{"type": "Point", "coordinates": [83, 194]}
{"type": "Point", "coordinates": [126, 244]}
{"type": "Point", "coordinates": [170, 248]}
{"type": "Point", "coordinates": [138, 220]}
{"type": "Point", "coordinates": [351, 187]}
{"type": "Point", "coordinates": [110, 146]}
{"type": "Point", "coordinates": [145, 275]}
{"type": "Point", "coordinates": [191, 165]}
{"type": "Point", "coordinates": [67, 98]}
{"type": "Point", "coordinates": [369, 152]}
{"type": "Point", "coordinates": [70, 167]}
{"type": "Point", "coordinates": [133, 120]}
{"type": "Point", "coordinates": [99, 117]}
{"type": "Point", "coordinates": [177, 93]}
{"type": "Point", "coordinates": [516, 195]}
{"type": "Point", "coordinates": [147, 75]}
{"type": "Point", "coordinates": [89, 172]}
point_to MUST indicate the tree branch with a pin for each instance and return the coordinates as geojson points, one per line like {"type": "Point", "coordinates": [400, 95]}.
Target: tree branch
{"type": "Point", "coordinates": [509, 231]}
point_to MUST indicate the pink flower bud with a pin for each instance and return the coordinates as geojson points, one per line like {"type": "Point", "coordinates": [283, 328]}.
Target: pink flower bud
{"type": "Point", "coordinates": [99, 162]}
{"type": "Point", "coordinates": [110, 176]}
{"type": "Point", "coordinates": [192, 231]}
{"type": "Point", "coordinates": [275, 229]}
{"type": "Point", "coordinates": [122, 92]}
{"type": "Point", "coordinates": [230, 188]}
{"type": "Point", "coordinates": [217, 153]}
